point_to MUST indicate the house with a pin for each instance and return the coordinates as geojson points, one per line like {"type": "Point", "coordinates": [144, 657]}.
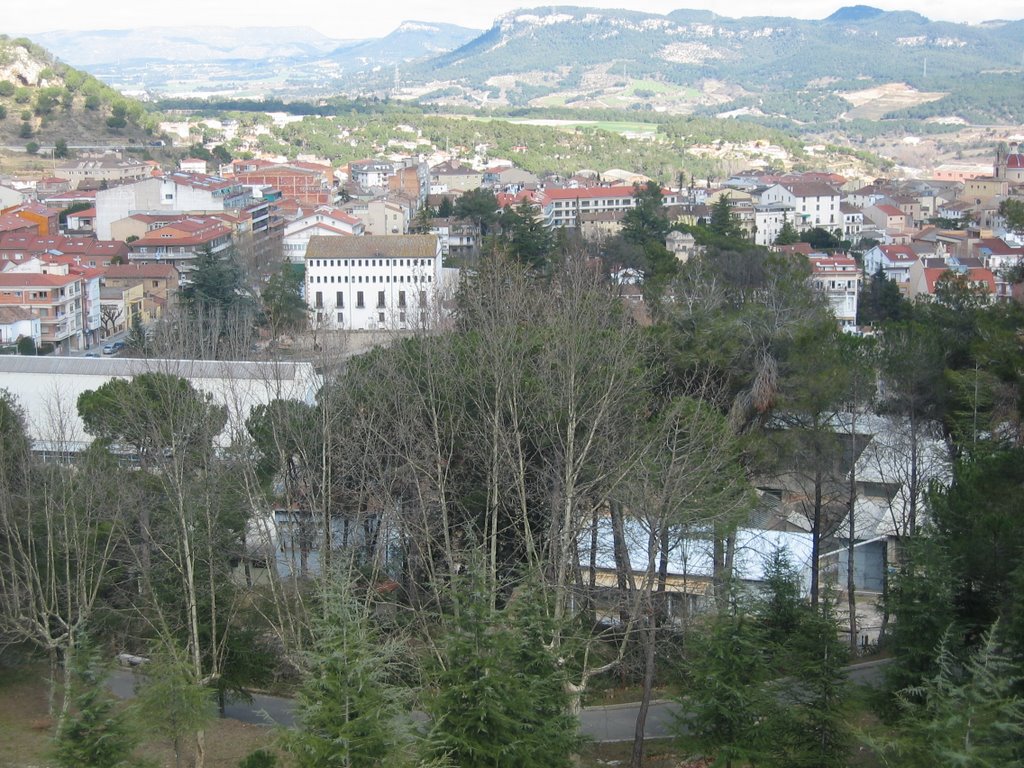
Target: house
{"type": "Point", "coordinates": [838, 278]}
{"type": "Point", "coordinates": [9, 222]}
{"type": "Point", "coordinates": [926, 275]}
{"type": "Point", "coordinates": [769, 219]}
{"type": "Point", "coordinates": [457, 236]}
{"type": "Point", "coordinates": [853, 221]}
{"type": "Point", "coordinates": [382, 215]}
{"type": "Point", "coordinates": [87, 251]}
{"type": "Point", "coordinates": [158, 284]}
{"type": "Point", "coordinates": [322, 221]}
{"type": "Point", "coordinates": [53, 296]}
{"type": "Point", "coordinates": [600, 225]}
{"type": "Point", "coordinates": [107, 168]}
{"type": "Point", "coordinates": [681, 244]}
{"type": "Point", "coordinates": [816, 204]}
{"type": "Point", "coordinates": [308, 183]}
{"type": "Point", "coordinates": [81, 222]}
{"type": "Point", "coordinates": [192, 165]}
{"type": "Point", "coordinates": [180, 243]}
{"type": "Point", "coordinates": [17, 323]}
{"type": "Point", "coordinates": [370, 173]}
{"type": "Point", "coordinates": [373, 282]}
{"type": "Point", "coordinates": [45, 219]}
{"type": "Point", "coordinates": [887, 217]}
{"type": "Point", "coordinates": [894, 260]}
{"type": "Point", "coordinates": [560, 208]}
{"type": "Point", "coordinates": [453, 176]}
{"type": "Point", "coordinates": [956, 210]}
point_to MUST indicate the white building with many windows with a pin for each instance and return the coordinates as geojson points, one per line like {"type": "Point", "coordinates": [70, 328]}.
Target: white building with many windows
{"type": "Point", "coordinates": [373, 282]}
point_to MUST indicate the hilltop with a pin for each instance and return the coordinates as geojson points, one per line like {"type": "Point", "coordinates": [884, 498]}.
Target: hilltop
{"type": "Point", "coordinates": [44, 101]}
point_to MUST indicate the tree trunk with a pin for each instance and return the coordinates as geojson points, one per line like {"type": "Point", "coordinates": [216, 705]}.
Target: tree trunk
{"type": "Point", "coordinates": [649, 640]}
{"type": "Point", "coordinates": [851, 582]}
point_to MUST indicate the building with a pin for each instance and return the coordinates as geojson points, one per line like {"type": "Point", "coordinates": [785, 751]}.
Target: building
{"type": "Point", "coordinates": [322, 221]}
{"type": "Point", "coordinates": [108, 168]}
{"type": "Point", "coordinates": [17, 323]}
{"type": "Point", "coordinates": [838, 278]}
{"type": "Point", "coordinates": [894, 260]}
{"type": "Point", "coordinates": [381, 216]}
{"type": "Point", "coordinates": [180, 243]}
{"type": "Point", "coordinates": [769, 219]}
{"type": "Point", "coordinates": [453, 176]}
{"type": "Point", "coordinates": [1010, 165]}
{"type": "Point", "coordinates": [309, 184]}
{"type": "Point", "coordinates": [159, 284]}
{"type": "Point", "coordinates": [89, 252]}
{"type": "Point", "coordinates": [47, 388]}
{"type": "Point", "coordinates": [815, 203]}
{"type": "Point", "coordinates": [55, 297]}
{"type": "Point", "coordinates": [373, 282]}
{"type": "Point", "coordinates": [562, 207]}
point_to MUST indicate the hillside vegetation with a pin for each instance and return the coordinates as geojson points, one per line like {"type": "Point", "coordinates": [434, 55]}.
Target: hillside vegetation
{"type": "Point", "coordinates": [44, 101]}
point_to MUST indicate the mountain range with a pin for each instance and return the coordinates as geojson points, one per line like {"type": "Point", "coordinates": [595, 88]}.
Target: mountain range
{"type": "Point", "coordinates": [566, 56]}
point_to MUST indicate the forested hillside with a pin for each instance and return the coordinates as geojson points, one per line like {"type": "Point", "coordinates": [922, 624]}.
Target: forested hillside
{"type": "Point", "coordinates": [43, 101]}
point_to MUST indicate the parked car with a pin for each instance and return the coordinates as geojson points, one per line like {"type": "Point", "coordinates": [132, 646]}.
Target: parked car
{"type": "Point", "coordinates": [113, 348]}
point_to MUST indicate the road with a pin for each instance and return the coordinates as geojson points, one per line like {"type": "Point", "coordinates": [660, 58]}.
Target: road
{"type": "Point", "coordinates": [601, 724]}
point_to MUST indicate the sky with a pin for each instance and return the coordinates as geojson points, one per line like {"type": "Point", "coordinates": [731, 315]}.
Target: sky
{"type": "Point", "coordinates": [354, 20]}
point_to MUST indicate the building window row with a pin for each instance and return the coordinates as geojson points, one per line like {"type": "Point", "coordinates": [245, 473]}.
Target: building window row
{"type": "Point", "coordinates": [371, 279]}
{"type": "Point", "coordinates": [371, 262]}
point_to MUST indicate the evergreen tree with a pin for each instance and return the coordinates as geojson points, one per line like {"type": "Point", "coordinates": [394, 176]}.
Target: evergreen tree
{"type": "Point", "coordinates": [501, 698]}
{"type": "Point", "coordinates": [96, 732]}
{"type": "Point", "coordinates": [724, 222]}
{"type": "Point", "coordinates": [350, 712]}
{"type": "Point", "coordinates": [965, 715]}
{"type": "Point", "coordinates": [787, 235]}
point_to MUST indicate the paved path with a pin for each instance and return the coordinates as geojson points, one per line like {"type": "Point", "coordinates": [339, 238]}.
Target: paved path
{"type": "Point", "coordinates": [602, 724]}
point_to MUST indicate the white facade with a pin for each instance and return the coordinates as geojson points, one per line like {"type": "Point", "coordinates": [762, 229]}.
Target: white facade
{"type": "Point", "coordinates": [373, 282]}
{"type": "Point", "coordinates": [769, 218]}
{"type": "Point", "coordinates": [323, 222]}
{"type": "Point", "coordinates": [815, 204]}
{"type": "Point", "coordinates": [838, 278]}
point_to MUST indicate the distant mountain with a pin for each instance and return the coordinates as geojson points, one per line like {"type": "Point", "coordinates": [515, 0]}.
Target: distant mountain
{"type": "Point", "coordinates": [85, 48]}
{"type": "Point", "coordinates": [853, 13]}
{"type": "Point", "coordinates": [411, 41]}
{"type": "Point", "coordinates": [573, 54]}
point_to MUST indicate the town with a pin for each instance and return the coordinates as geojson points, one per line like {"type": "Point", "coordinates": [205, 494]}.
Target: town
{"type": "Point", "coordinates": [433, 459]}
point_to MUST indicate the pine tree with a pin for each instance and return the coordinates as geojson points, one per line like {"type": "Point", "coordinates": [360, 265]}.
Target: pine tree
{"type": "Point", "coordinates": [350, 713]}
{"type": "Point", "coordinates": [965, 715]}
{"type": "Point", "coordinates": [96, 732]}
{"type": "Point", "coordinates": [501, 698]}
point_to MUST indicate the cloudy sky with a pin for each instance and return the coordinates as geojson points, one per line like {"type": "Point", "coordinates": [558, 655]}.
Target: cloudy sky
{"type": "Point", "coordinates": [360, 20]}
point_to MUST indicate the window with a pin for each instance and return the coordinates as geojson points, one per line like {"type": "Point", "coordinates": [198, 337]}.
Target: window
{"type": "Point", "coordinates": [423, 298]}
{"type": "Point", "coordinates": [401, 299]}
{"type": "Point", "coordinates": [339, 299]}
{"type": "Point", "coordinates": [380, 317]}
{"type": "Point", "coordinates": [156, 283]}
{"type": "Point", "coordinates": [341, 318]}
{"type": "Point", "coordinates": [380, 299]}
{"type": "Point", "coordinates": [359, 300]}
{"type": "Point", "coordinates": [319, 299]}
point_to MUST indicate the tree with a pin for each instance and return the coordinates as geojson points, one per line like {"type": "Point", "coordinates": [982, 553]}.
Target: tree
{"type": "Point", "coordinates": [97, 732]}
{"type": "Point", "coordinates": [821, 239]}
{"type": "Point", "coordinates": [60, 149]}
{"type": "Point", "coordinates": [788, 234]}
{"type": "Point", "coordinates": [172, 703]}
{"type": "Point", "coordinates": [724, 222]}
{"type": "Point", "coordinates": [351, 713]}
{"type": "Point", "coordinates": [1012, 212]}
{"type": "Point", "coordinates": [60, 533]}
{"type": "Point", "coordinates": [529, 241]}
{"type": "Point", "coordinates": [283, 306]}
{"type": "Point", "coordinates": [25, 132]}
{"type": "Point", "coordinates": [445, 209]}
{"type": "Point", "coordinates": [32, 148]}
{"type": "Point", "coordinates": [501, 698]}
{"type": "Point", "coordinates": [965, 714]}
{"type": "Point", "coordinates": [478, 205]}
